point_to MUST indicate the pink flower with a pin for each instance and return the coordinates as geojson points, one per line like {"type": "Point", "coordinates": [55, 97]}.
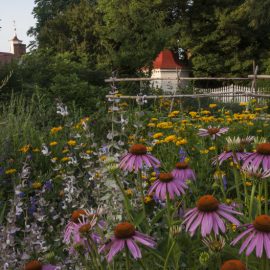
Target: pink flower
{"type": "Point", "coordinates": [257, 235]}
{"type": "Point", "coordinates": [183, 172]}
{"type": "Point", "coordinates": [125, 235]}
{"type": "Point", "coordinates": [213, 132]}
{"type": "Point", "coordinates": [209, 214]}
{"type": "Point", "coordinates": [260, 157]}
{"type": "Point", "coordinates": [167, 183]}
{"type": "Point", "coordinates": [137, 158]}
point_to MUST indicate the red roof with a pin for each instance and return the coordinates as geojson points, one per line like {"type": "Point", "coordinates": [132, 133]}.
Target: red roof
{"type": "Point", "coordinates": [167, 60]}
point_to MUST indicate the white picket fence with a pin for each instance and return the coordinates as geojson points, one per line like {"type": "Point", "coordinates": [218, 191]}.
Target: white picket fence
{"type": "Point", "coordinates": [232, 93]}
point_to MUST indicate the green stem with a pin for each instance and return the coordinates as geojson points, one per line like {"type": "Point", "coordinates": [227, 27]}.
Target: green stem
{"type": "Point", "coordinates": [140, 187]}
{"type": "Point", "coordinates": [126, 200]}
{"type": "Point", "coordinates": [259, 210]}
{"type": "Point", "coordinates": [168, 255]}
{"type": "Point", "coordinates": [127, 258]}
{"type": "Point", "coordinates": [251, 200]}
{"type": "Point", "coordinates": [236, 184]}
{"type": "Point", "coordinates": [266, 196]}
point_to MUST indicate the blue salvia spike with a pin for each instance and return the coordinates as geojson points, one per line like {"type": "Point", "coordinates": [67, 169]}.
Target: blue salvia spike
{"type": "Point", "coordinates": [182, 154]}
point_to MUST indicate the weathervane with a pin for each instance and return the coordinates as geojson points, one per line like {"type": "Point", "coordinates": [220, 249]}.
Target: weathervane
{"type": "Point", "coordinates": [15, 29]}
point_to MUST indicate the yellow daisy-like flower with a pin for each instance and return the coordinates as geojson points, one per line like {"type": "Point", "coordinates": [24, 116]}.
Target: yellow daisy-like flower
{"type": "Point", "coordinates": [212, 105]}
{"type": "Point", "coordinates": [205, 151]}
{"type": "Point", "coordinates": [53, 143]}
{"type": "Point", "coordinates": [25, 148]}
{"type": "Point", "coordinates": [102, 158]}
{"type": "Point", "coordinates": [89, 152]}
{"type": "Point", "coordinates": [65, 159]}
{"type": "Point", "coordinates": [36, 185]}
{"type": "Point", "coordinates": [129, 192]}
{"type": "Point", "coordinates": [170, 138]}
{"type": "Point", "coordinates": [147, 199]}
{"type": "Point", "coordinates": [192, 114]}
{"type": "Point", "coordinates": [71, 142]}
{"type": "Point", "coordinates": [10, 171]}
{"type": "Point", "coordinates": [212, 148]}
{"type": "Point", "coordinates": [157, 135]}
{"type": "Point", "coordinates": [181, 142]}
{"type": "Point", "coordinates": [151, 125]}
{"type": "Point", "coordinates": [205, 112]}
{"type": "Point", "coordinates": [56, 129]}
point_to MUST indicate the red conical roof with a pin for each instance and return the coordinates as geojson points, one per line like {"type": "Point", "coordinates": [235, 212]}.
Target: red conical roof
{"type": "Point", "coordinates": [166, 60]}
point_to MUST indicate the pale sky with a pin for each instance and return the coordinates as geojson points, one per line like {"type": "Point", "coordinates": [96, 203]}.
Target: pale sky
{"type": "Point", "coordinates": [21, 12]}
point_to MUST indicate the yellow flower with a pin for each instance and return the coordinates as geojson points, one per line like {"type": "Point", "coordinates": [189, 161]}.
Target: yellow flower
{"type": "Point", "coordinates": [56, 129]}
{"type": "Point", "coordinates": [65, 159]}
{"type": "Point", "coordinates": [102, 158]}
{"type": "Point", "coordinates": [36, 185]}
{"type": "Point", "coordinates": [153, 173]}
{"type": "Point", "coordinates": [147, 199]}
{"type": "Point", "coordinates": [192, 114]}
{"type": "Point", "coordinates": [89, 152]}
{"type": "Point", "coordinates": [243, 103]}
{"type": "Point", "coordinates": [25, 148]}
{"type": "Point", "coordinates": [149, 148]}
{"type": "Point", "coordinates": [154, 119]}
{"type": "Point", "coordinates": [129, 192]}
{"type": "Point", "coordinates": [65, 151]}
{"type": "Point", "coordinates": [36, 150]}
{"type": "Point", "coordinates": [206, 112]}
{"type": "Point", "coordinates": [228, 201]}
{"type": "Point", "coordinates": [151, 125]}
{"type": "Point", "coordinates": [10, 171]}
{"type": "Point", "coordinates": [248, 184]}
{"type": "Point", "coordinates": [165, 125]}
{"type": "Point", "coordinates": [212, 148]}
{"type": "Point", "coordinates": [157, 135]}
{"type": "Point", "coordinates": [205, 151]}
{"type": "Point", "coordinates": [212, 105]}
{"type": "Point", "coordinates": [170, 138]}
{"type": "Point", "coordinates": [53, 143]}
{"type": "Point", "coordinates": [71, 142]}
{"type": "Point", "coordinates": [54, 159]}
{"type": "Point", "coordinates": [260, 198]}
{"type": "Point", "coordinates": [234, 227]}
{"type": "Point", "coordinates": [153, 179]}
{"type": "Point", "coordinates": [181, 142]}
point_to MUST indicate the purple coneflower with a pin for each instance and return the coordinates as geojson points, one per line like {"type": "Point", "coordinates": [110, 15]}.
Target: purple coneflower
{"type": "Point", "coordinates": [208, 214]}
{"type": "Point", "coordinates": [37, 265]}
{"type": "Point", "coordinates": [213, 132]}
{"type": "Point", "coordinates": [251, 172]}
{"type": "Point", "coordinates": [80, 228]}
{"type": "Point", "coordinates": [183, 172]}
{"type": "Point", "coordinates": [167, 183]}
{"type": "Point", "coordinates": [136, 158]}
{"type": "Point", "coordinates": [233, 265]}
{"type": "Point", "coordinates": [260, 157]}
{"type": "Point", "coordinates": [258, 235]}
{"type": "Point", "coordinates": [125, 235]}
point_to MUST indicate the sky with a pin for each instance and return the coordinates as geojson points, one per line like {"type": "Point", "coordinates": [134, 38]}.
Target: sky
{"type": "Point", "coordinates": [21, 12]}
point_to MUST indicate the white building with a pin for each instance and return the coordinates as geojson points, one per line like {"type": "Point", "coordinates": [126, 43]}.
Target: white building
{"type": "Point", "coordinates": [167, 66]}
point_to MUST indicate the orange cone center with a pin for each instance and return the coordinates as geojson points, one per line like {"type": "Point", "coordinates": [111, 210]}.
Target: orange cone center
{"type": "Point", "coordinates": [138, 149]}
{"type": "Point", "coordinates": [207, 203]}
{"type": "Point", "coordinates": [124, 230]}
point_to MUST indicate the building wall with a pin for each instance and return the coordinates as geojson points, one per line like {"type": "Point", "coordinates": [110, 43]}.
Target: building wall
{"type": "Point", "coordinates": [169, 85]}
